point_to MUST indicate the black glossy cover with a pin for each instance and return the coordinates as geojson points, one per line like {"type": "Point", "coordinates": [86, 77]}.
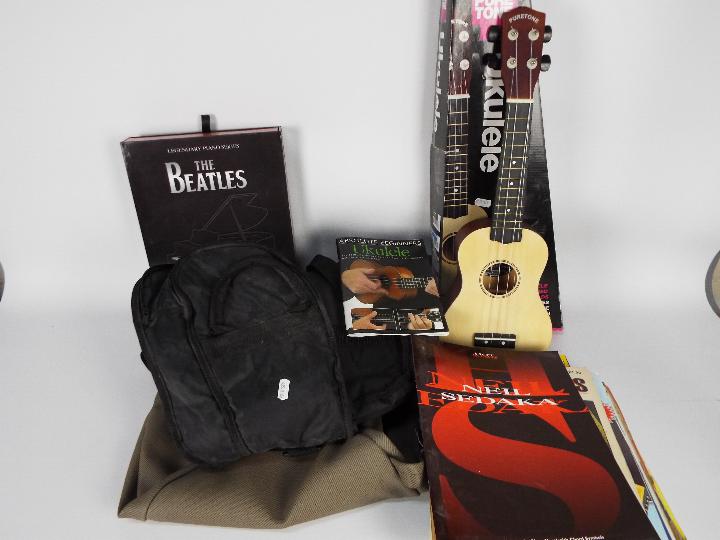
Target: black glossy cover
{"type": "Point", "coordinates": [199, 189]}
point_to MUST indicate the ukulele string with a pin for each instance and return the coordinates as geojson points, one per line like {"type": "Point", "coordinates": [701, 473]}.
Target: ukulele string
{"type": "Point", "coordinates": [465, 176]}
{"type": "Point", "coordinates": [489, 321]}
{"type": "Point", "coordinates": [515, 88]}
{"type": "Point", "coordinates": [505, 174]}
{"type": "Point", "coordinates": [461, 169]}
{"type": "Point", "coordinates": [456, 175]}
{"type": "Point", "coordinates": [410, 283]}
{"type": "Point", "coordinates": [459, 165]}
{"type": "Point", "coordinates": [523, 170]}
{"type": "Point", "coordinates": [511, 162]}
{"type": "Point", "coordinates": [464, 171]}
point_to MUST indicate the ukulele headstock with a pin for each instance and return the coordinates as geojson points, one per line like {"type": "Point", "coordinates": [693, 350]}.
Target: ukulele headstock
{"type": "Point", "coordinates": [462, 53]}
{"type": "Point", "coordinates": [521, 33]}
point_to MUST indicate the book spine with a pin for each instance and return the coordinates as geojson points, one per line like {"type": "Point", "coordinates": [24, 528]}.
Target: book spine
{"type": "Point", "coordinates": [585, 384]}
{"type": "Point", "coordinates": [655, 512]}
{"type": "Point", "coordinates": [668, 518]}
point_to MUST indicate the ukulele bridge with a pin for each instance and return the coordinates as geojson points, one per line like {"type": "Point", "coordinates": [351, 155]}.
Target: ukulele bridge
{"type": "Point", "coordinates": [499, 341]}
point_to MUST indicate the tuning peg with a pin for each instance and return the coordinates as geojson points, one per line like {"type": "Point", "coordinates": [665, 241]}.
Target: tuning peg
{"type": "Point", "coordinates": [545, 62]}
{"type": "Point", "coordinates": [548, 34]}
{"type": "Point", "coordinates": [492, 60]}
{"type": "Point", "coordinates": [493, 34]}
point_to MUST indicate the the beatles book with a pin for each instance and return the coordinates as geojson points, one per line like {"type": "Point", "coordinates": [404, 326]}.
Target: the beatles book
{"type": "Point", "coordinates": [513, 453]}
{"type": "Point", "coordinates": [199, 189]}
{"type": "Point", "coordinates": [388, 288]}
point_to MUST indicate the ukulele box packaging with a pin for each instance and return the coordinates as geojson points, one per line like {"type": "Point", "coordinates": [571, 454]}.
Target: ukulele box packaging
{"type": "Point", "coordinates": [388, 288]}
{"type": "Point", "coordinates": [469, 119]}
{"type": "Point", "coordinates": [199, 189]}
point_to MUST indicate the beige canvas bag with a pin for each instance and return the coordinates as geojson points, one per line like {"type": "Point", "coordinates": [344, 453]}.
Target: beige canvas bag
{"type": "Point", "coordinates": [268, 490]}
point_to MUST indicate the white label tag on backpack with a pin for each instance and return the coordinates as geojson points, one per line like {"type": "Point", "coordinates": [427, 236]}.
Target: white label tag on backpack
{"type": "Point", "coordinates": [283, 389]}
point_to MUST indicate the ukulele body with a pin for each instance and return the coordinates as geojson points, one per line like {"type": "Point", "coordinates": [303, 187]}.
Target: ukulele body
{"type": "Point", "coordinates": [450, 229]}
{"type": "Point", "coordinates": [388, 276]}
{"type": "Point", "coordinates": [498, 291]}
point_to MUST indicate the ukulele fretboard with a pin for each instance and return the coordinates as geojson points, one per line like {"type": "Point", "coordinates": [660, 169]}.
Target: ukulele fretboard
{"type": "Point", "coordinates": [403, 283]}
{"type": "Point", "coordinates": [456, 160]}
{"type": "Point", "coordinates": [509, 196]}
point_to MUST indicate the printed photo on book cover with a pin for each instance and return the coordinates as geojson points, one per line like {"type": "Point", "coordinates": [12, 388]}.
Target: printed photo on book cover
{"type": "Point", "coordinates": [388, 287]}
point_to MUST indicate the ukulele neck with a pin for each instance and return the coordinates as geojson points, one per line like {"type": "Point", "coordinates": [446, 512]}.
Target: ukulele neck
{"type": "Point", "coordinates": [510, 193]}
{"type": "Point", "coordinates": [403, 283]}
{"type": "Point", "coordinates": [413, 283]}
{"type": "Point", "coordinates": [456, 160]}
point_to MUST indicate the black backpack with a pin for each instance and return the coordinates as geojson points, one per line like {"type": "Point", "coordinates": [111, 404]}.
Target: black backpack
{"type": "Point", "coordinates": [249, 354]}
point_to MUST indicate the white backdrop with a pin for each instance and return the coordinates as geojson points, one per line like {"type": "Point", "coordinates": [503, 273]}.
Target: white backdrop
{"type": "Point", "coordinates": [632, 147]}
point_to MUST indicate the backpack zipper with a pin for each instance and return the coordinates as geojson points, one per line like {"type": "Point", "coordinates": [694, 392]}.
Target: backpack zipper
{"type": "Point", "coordinates": [215, 389]}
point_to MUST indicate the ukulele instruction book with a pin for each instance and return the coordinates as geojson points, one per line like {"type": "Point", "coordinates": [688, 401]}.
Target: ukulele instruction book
{"type": "Point", "coordinates": [513, 453]}
{"type": "Point", "coordinates": [198, 189]}
{"type": "Point", "coordinates": [388, 288]}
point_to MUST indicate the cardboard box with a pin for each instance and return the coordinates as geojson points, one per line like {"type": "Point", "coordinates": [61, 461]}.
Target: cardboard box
{"type": "Point", "coordinates": [463, 34]}
{"type": "Point", "coordinates": [198, 189]}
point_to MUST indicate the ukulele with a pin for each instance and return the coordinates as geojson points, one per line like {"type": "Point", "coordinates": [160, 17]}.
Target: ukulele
{"type": "Point", "coordinates": [399, 282]}
{"type": "Point", "coordinates": [500, 266]}
{"type": "Point", "coordinates": [457, 212]}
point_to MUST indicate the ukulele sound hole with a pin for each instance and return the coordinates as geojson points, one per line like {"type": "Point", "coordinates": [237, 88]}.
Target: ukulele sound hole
{"type": "Point", "coordinates": [448, 249]}
{"type": "Point", "coordinates": [499, 279]}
